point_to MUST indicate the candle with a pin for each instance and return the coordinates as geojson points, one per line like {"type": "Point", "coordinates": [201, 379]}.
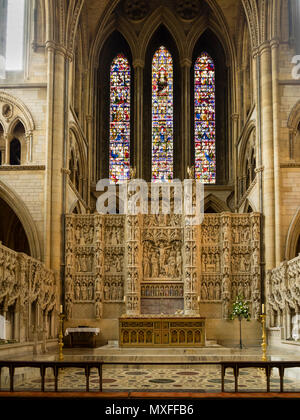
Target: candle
{"type": "Point", "coordinates": [61, 309]}
{"type": "Point", "coordinates": [124, 299]}
{"type": "Point", "coordinates": [198, 298]}
{"type": "Point", "coordinates": [263, 308]}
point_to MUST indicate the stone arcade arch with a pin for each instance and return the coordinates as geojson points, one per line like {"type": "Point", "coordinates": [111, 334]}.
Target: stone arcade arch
{"type": "Point", "coordinates": [19, 211]}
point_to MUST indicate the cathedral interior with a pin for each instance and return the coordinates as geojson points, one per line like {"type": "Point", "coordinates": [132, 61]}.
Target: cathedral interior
{"type": "Point", "coordinates": [98, 96]}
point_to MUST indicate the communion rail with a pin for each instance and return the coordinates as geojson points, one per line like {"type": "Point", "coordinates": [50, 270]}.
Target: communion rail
{"type": "Point", "coordinates": [87, 366]}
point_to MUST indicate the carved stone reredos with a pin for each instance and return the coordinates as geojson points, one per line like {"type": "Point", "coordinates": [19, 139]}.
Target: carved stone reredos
{"type": "Point", "coordinates": [141, 260]}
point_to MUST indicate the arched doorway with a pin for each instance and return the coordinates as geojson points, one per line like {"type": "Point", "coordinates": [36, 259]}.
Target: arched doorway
{"type": "Point", "coordinates": [12, 233]}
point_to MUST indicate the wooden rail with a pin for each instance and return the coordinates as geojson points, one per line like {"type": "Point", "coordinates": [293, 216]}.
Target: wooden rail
{"type": "Point", "coordinates": [266, 366]}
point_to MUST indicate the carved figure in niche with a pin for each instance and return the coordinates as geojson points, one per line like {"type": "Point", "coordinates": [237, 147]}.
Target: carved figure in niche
{"type": "Point", "coordinates": [243, 263]}
{"type": "Point", "coordinates": [83, 263]}
{"type": "Point", "coordinates": [226, 308]}
{"type": "Point", "coordinates": [98, 285]}
{"type": "Point", "coordinates": [204, 262]}
{"type": "Point", "coordinates": [90, 291]}
{"type": "Point", "coordinates": [179, 263]}
{"type": "Point", "coordinates": [171, 265]}
{"type": "Point", "coordinates": [77, 291]}
{"type": "Point", "coordinates": [69, 259]}
{"type": "Point", "coordinates": [255, 258]}
{"type": "Point", "coordinates": [217, 291]}
{"type": "Point", "coordinates": [246, 234]}
{"type": "Point", "coordinates": [68, 309]}
{"type": "Point", "coordinates": [155, 265]}
{"type": "Point", "coordinates": [118, 264]}
{"type": "Point", "coordinates": [236, 234]}
{"type": "Point", "coordinates": [106, 291]}
{"type": "Point", "coordinates": [194, 281]}
{"type": "Point", "coordinates": [226, 258]}
{"type": "Point", "coordinates": [204, 291]}
{"type": "Point", "coordinates": [234, 290]}
{"type": "Point", "coordinates": [226, 233]}
{"type": "Point", "coordinates": [147, 266]}
{"type": "Point", "coordinates": [99, 309]}
{"type": "Point", "coordinates": [226, 285]}
{"type": "Point", "coordinates": [187, 254]}
{"type": "Point", "coordinates": [69, 285]}
{"type": "Point", "coordinates": [77, 234]}
{"type": "Point", "coordinates": [256, 306]}
{"type": "Point", "coordinates": [210, 291]}
{"type": "Point", "coordinates": [84, 294]}
{"type": "Point", "coordinates": [247, 290]}
{"type": "Point", "coordinates": [255, 232]}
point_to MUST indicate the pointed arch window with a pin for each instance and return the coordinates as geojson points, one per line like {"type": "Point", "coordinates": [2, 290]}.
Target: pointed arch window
{"type": "Point", "coordinates": [162, 116]}
{"type": "Point", "coordinates": [119, 150]}
{"type": "Point", "coordinates": [205, 119]}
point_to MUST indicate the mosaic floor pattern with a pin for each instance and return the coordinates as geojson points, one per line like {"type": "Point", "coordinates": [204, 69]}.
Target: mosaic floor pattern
{"type": "Point", "coordinates": [160, 378]}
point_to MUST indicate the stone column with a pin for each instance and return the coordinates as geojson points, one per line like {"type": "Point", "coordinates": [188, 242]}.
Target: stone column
{"type": "Point", "coordinates": [235, 121]}
{"type": "Point", "coordinates": [185, 117]}
{"type": "Point", "coordinates": [89, 120]}
{"type": "Point", "coordinates": [138, 66]}
{"type": "Point", "coordinates": [266, 112]}
{"type": "Point", "coordinates": [57, 102]}
{"type": "Point", "coordinates": [7, 149]}
{"type": "Point", "coordinates": [276, 105]}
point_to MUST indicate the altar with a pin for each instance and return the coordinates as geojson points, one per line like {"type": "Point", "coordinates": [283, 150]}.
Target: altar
{"type": "Point", "coordinates": [161, 331]}
{"type": "Point", "coordinates": [81, 337]}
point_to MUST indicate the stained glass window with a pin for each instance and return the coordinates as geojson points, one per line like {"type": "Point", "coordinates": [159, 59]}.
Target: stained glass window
{"type": "Point", "coordinates": [119, 152]}
{"type": "Point", "coordinates": [162, 116]}
{"type": "Point", "coordinates": [204, 119]}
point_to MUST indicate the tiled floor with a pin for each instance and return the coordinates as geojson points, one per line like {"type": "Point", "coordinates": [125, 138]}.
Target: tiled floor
{"type": "Point", "coordinates": [159, 378]}
{"type": "Point", "coordinates": [183, 376]}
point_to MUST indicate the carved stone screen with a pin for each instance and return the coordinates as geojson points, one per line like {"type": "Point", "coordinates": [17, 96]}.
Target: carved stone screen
{"type": "Point", "coordinates": [158, 264]}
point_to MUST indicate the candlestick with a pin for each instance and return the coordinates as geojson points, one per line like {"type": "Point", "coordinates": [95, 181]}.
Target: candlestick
{"type": "Point", "coordinates": [264, 336]}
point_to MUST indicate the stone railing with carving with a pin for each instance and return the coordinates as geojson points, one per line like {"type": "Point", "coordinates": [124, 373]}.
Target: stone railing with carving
{"type": "Point", "coordinates": [27, 295]}
{"type": "Point", "coordinates": [283, 297]}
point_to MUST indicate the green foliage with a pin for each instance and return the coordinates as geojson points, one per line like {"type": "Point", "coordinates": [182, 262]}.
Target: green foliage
{"type": "Point", "coordinates": [240, 309]}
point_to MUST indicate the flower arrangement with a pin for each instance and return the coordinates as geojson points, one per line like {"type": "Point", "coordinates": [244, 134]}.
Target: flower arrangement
{"type": "Point", "coordinates": [240, 310]}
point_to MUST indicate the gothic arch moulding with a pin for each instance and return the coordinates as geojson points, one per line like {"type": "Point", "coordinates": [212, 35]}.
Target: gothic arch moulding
{"type": "Point", "coordinates": [21, 211]}
{"type": "Point", "coordinates": [214, 203]}
{"type": "Point", "coordinates": [162, 17]}
{"type": "Point", "coordinates": [293, 237]}
{"type": "Point", "coordinates": [293, 124]}
{"type": "Point", "coordinates": [294, 117]}
{"type": "Point", "coordinates": [13, 109]}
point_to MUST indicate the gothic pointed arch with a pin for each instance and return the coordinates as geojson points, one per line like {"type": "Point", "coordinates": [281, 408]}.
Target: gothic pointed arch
{"type": "Point", "coordinates": [292, 238]}
{"type": "Point", "coordinates": [209, 44]}
{"type": "Point", "coordinates": [161, 39]}
{"type": "Point", "coordinates": [212, 204]}
{"type": "Point", "coordinates": [162, 17]}
{"type": "Point", "coordinates": [115, 45]}
{"type": "Point", "coordinates": [15, 203]}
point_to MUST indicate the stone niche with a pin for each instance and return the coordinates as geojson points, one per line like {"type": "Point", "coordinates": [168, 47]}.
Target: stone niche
{"type": "Point", "coordinates": [139, 265]}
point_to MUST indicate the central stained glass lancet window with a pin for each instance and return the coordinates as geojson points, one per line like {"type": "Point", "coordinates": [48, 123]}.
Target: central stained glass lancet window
{"type": "Point", "coordinates": [205, 121]}
{"type": "Point", "coordinates": [119, 151]}
{"type": "Point", "coordinates": [162, 116]}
